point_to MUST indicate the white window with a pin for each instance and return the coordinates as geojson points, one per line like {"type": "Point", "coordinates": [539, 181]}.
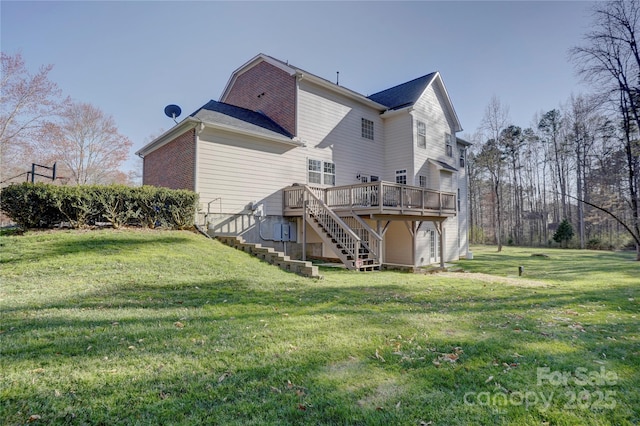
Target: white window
{"type": "Point", "coordinates": [422, 135]}
{"type": "Point", "coordinates": [374, 178]}
{"type": "Point", "coordinates": [401, 176]}
{"type": "Point", "coordinates": [459, 200]}
{"type": "Point", "coordinates": [321, 172]}
{"type": "Point", "coordinates": [329, 173]}
{"type": "Point", "coordinates": [315, 171]}
{"type": "Point", "coordinates": [462, 157]}
{"type": "Point", "coordinates": [423, 181]}
{"type": "Point", "coordinates": [367, 129]}
{"type": "Point", "coordinates": [448, 144]}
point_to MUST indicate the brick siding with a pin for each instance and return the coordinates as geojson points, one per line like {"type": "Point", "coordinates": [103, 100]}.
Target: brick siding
{"type": "Point", "coordinates": [172, 165]}
{"type": "Point", "coordinates": [268, 89]}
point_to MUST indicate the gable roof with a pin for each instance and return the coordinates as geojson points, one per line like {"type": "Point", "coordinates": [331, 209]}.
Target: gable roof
{"type": "Point", "coordinates": [241, 118]}
{"type": "Point", "coordinates": [404, 94]}
{"type": "Point", "coordinates": [300, 74]}
{"type": "Point", "coordinates": [223, 116]}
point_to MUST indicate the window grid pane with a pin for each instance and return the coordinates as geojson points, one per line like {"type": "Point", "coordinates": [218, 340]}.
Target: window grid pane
{"type": "Point", "coordinates": [315, 171]}
{"type": "Point", "coordinates": [367, 129]}
{"type": "Point", "coordinates": [329, 173]}
{"type": "Point", "coordinates": [422, 135]}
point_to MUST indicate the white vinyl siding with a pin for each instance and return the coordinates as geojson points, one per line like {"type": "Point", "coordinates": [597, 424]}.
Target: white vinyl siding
{"type": "Point", "coordinates": [330, 127]}
{"type": "Point", "coordinates": [399, 145]}
{"type": "Point", "coordinates": [237, 170]}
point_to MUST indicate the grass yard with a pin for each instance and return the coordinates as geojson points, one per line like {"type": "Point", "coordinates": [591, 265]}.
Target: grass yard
{"type": "Point", "coordinates": [149, 327]}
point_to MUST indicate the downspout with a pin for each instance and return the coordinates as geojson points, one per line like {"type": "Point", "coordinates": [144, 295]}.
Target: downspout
{"type": "Point", "coordinates": [142, 157]}
{"type": "Point", "coordinates": [298, 76]}
{"type": "Point", "coordinates": [196, 137]}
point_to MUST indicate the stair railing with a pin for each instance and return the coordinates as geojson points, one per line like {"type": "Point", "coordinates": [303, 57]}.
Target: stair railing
{"type": "Point", "coordinates": [369, 238]}
{"type": "Point", "coordinates": [334, 226]}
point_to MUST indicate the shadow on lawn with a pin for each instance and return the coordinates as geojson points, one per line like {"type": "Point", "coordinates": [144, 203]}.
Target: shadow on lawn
{"type": "Point", "coordinates": [99, 244]}
{"type": "Point", "coordinates": [338, 384]}
{"type": "Point", "coordinates": [149, 309]}
{"type": "Point", "coordinates": [571, 266]}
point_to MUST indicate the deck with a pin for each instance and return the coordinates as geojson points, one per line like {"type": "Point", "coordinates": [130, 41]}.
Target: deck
{"type": "Point", "coordinates": [378, 200]}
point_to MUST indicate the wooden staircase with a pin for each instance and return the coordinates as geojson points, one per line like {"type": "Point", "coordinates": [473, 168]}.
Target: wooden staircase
{"type": "Point", "coordinates": [352, 240]}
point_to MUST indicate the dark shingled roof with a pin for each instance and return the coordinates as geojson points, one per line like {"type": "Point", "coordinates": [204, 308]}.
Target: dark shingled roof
{"type": "Point", "coordinates": [403, 95]}
{"type": "Point", "coordinates": [242, 118]}
{"type": "Point", "coordinates": [445, 165]}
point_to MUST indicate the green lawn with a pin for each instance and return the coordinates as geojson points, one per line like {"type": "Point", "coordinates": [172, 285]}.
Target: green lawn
{"type": "Point", "coordinates": [149, 327]}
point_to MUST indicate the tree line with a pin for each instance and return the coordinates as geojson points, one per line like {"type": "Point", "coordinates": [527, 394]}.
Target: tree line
{"type": "Point", "coordinates": [579, 163]}
{"type": "Point", "coordinates": [39, 125]}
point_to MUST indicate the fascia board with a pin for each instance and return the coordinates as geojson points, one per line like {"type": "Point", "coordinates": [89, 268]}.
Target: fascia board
{"type": "Point", "coordinates": [393, 112]}
{"type": "Point", "coordinates": [245, 132]}
{"type": "Point", "coordinates": [342, 90]}
{"type": "Point", "coordinates": [185, 125]}
{"type": "Point", "coordinates": [438, 77]}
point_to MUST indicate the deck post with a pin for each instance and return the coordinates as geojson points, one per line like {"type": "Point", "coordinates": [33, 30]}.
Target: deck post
{"type": "Point", "coordinates": [381, 245]}
{"type": "Point", "coordinates": [304, 225]}
{"type": "Point", "coordinates": [441, 233]}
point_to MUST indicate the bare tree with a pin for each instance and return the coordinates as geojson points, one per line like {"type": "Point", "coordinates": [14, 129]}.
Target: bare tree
{"type": "Point", "coordinates": [89, 146]}
{"type": "Point", "coordinates": [494, 121]}
{"type": "Point", "coordinates": [611, 59]}
{"type": "Point", "coordinates": [28, 102]}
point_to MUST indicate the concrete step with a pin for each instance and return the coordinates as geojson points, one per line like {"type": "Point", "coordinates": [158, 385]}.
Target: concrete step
{"type": "Point", "coordinates": [271, 256]}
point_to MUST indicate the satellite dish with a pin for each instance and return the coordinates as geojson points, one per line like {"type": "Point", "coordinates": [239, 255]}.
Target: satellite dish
{"type": "Point", "coordinates": [172, 111]}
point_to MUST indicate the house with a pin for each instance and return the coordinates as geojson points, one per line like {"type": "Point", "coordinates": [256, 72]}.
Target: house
{"type": "Point", "coordinates": [293, 161]}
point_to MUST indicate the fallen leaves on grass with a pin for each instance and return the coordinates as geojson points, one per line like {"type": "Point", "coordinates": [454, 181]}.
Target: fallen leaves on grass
{"type": "Point", "coordinates": [449, 357]}
{"type": "Point", "coordinates": [224, 376]}
{"type": "Point", "coordinates": [178, 324]}
{"type": "Point", "coordinates": [379, 357]}
{"type": "Point", "coordinates": [577, 327]}
{"type": "Point", "coordinates": [32, 418]}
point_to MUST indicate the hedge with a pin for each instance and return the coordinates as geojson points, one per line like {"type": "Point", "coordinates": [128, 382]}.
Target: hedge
{"type": "Point", "coordinates": [44, 205]}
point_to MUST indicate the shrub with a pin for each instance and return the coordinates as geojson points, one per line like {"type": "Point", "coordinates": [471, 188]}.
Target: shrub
{"type": "Point", "coordinates": [595, 244]}
{"type": "Point", "coordinates": [44, 205]}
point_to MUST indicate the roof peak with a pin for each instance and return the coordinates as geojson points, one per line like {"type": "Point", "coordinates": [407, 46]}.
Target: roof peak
{"type": "Point", "coordinates": [403, 94]}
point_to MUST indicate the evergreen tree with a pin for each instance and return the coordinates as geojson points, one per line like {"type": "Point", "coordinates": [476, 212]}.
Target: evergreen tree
{"type": "Point", "coordinates": [564, 233]}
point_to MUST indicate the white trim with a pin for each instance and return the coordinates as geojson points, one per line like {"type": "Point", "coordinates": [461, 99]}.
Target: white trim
{"type": "Point", "coordinates": [190, 123]}
{"type": "Point", "coordinates": [177, 130]}
{"type": "Point", "coordinates": [339, 89]}
{"type": "Point", "coordinates": [232, 129]}
{"type": "Point", "coordinates": [441, 167]}
{"type": "Point", "coordinates": [457, 125]}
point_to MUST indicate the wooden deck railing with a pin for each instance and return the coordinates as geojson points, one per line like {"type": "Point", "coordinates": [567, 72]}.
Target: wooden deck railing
{"type": "Point", "coordinates": [378, 196]}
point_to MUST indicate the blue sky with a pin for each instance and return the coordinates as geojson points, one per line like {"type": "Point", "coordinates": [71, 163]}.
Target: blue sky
{"type": "Point", "coordinates": [132, 58]}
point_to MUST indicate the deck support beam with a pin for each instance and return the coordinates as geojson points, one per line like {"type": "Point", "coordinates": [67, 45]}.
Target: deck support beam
{"type": "Point", "coordinates": [440, 230]}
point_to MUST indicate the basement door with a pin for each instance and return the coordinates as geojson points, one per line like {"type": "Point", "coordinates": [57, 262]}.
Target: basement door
{"type": "Point", "coordinates": [434, 247]}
